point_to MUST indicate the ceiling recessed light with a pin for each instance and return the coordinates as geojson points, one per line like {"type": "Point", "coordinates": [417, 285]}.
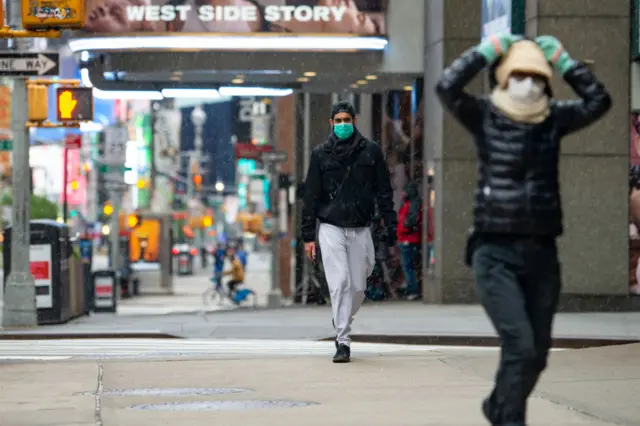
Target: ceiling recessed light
{"type": "Point", "coordinates": [361, 81]}
{"type": "Point", "coordinates": [237, 81]}
{"type": "Point", "coordinates": [310, 74]}
{"type": "Point", "coordinates": [302, 79]}
{"type": "Point", "coordinates": [371, 77]}
{"type": "Point", "coordinates": [408, 88]}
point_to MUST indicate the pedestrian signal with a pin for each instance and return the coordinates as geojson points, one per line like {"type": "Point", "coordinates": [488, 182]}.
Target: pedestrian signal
{"type": "Point", "coordinates": [74, 103]}
{"type": "Point", "coordinates": [38, 102]}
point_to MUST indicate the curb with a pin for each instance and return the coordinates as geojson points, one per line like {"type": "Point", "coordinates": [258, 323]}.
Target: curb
{"type": "Point", "coordinates": [84, 335]}
{"type": "Point", "coordinates": [486, 341]}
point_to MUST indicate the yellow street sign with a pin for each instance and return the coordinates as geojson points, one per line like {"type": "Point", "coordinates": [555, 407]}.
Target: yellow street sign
{"type": "Point", "coordinates": [53, 14]}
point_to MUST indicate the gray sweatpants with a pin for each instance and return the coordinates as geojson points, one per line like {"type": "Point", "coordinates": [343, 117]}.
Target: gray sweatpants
{"type": "Point", "coordinates": [348, 258]}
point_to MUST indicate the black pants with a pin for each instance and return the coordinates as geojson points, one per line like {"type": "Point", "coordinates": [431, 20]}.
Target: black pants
{"type": "Point", "coordinates": [233, 284]}
{"type": "Point", "coordinates": [518, 282]}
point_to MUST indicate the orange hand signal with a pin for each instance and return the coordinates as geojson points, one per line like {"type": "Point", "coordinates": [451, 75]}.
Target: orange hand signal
{"type": "Point", "coordinates": [66, 104]}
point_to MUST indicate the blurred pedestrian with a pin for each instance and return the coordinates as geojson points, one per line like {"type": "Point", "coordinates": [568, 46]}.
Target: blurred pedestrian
{"type": "Point", "coordinates": [517, 213]}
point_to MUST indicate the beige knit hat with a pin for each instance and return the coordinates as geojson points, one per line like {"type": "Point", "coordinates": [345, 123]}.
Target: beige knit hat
{"type": "Point", "coordinates": [523, 56]}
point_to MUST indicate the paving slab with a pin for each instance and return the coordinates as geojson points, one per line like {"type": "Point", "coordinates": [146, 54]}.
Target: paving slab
{"type": "Point", "coordinates": [397, 388]}
{"type": "Point", "coordinates": [42, 394]}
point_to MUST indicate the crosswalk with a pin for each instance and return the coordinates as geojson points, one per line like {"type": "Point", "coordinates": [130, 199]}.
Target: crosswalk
{"type": "Point", "coordinates": [66, 349]}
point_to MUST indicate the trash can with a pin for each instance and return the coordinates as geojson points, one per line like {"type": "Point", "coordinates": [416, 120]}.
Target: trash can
{"type": "Point", "coordinates": [49, 252]}
{"type": "Point", "coordinates": [105, 290]}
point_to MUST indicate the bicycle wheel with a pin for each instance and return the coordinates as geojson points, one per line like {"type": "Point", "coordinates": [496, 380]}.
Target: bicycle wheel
{"type": "Point", "coordinates": [211, 297]}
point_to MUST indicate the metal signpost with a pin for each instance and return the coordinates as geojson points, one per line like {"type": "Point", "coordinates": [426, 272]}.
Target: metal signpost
{"type": "Point", "coordinates": [29, 99]}
{"type": "Point", "coordinates": [20, 290]}
{"type": "Point", "coordinates": [272, 162]}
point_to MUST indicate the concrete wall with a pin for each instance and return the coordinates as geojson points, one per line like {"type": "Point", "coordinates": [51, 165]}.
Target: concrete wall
{"type": "Point", "coordinates": [594, 162]}
{"type": "Point", "coordinates": [449, 33]}
{"type": "Point", "coordinates": [405, 18]}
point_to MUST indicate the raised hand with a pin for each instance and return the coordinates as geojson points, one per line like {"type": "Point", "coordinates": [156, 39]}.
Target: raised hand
{"type": "Point", "coordinates": [555, 53]}
{"type": "Point", "coordinates": [495, 46]}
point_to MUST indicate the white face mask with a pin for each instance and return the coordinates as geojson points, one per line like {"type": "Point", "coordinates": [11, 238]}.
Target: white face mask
{"type": "Point", "coordinates": [525, 90]}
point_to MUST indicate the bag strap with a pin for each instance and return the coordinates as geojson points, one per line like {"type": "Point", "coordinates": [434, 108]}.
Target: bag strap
{"type": "Point", "coordinates": [338, 190]}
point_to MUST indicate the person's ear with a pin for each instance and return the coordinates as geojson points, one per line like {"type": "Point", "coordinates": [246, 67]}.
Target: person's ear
{"type": "Point", "coordinates": [355, 120]}
{"type": "Point", "coordinates": [331, 122]}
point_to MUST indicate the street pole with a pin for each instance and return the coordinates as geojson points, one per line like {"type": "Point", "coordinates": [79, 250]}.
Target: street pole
{"type": "Point", "coordinates": [65, 183]}
{"type": "Point", "coordinates": [19, 308]}
{"type": "Point", "coordinates": [116, 196]}
{"type": "Point", "coordinates": [274, 298]}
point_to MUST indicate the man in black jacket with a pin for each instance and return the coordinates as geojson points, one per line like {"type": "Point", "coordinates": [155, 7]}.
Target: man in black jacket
{"type": "Point", "coordinates": [347, 175]}
{"type": "Point", "coordinates": [517, 214]}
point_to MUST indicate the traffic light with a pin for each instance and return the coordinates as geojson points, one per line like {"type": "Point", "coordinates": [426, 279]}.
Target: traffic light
{"type": "Point", "coordinates": [197, 180]}
{"type": "Point", "coordinates": [75, 185]}
{"type": "Point", "coordinates": [74, 104]}
{"type": "Point", "coordinates": [38, 102]}
{"type": "Point", "coordinates": [141, 184]}
{"type": "Point", "coordinates": [73, 213]}
{"type": "Point", "coordinates": [133, 220]}
{"type": "Point", "coordinates": [107, 209]}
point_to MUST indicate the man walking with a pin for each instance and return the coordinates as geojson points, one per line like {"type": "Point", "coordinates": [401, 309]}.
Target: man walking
{"type": "Point", "coordinates": [347, 175]}
{"type": "Point", "coordinates": [518, 213]}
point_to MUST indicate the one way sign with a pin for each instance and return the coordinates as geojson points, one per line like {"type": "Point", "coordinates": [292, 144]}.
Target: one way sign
{"type": "Point", "coordinates": [29, 64]}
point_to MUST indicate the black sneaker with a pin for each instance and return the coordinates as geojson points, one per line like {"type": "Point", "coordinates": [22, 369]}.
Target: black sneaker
{"type": "Point", "coordinates": [343, 354]}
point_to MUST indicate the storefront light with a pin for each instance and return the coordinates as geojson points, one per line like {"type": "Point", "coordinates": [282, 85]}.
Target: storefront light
{"type": "Point", "coordinates": [127, 94]}
{"type": "Point", "coordinates": [191, 93]}
{"type": "Point", "coordinates": [272, 43]}
{"type": "Point", "coordinates": [253, 91]}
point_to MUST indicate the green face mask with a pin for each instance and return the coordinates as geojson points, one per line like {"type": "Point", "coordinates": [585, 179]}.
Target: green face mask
{"type": "Point", "coordinates": [343, 130]}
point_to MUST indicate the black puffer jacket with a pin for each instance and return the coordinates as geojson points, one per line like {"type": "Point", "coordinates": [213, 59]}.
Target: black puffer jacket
{"type": "Point", "coordinates": [354, 205]}
{"type": "Point", "coordinates": [518, 190]}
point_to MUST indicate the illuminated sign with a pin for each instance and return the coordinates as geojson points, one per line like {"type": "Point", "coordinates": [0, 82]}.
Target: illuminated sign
{"type": "Point", "coordinates": [74, 104]}
{"type": "Point", "coordinates": [52, 14]}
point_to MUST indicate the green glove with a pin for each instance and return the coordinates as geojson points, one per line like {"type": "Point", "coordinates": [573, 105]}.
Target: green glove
{"type": "Point", "coordinates": [493, 47]}
{"type": "Point", "coordinates": [555, 53]}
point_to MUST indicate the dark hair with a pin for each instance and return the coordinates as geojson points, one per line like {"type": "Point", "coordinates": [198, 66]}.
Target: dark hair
{"type": "Point", "coordinates": [343, 106]}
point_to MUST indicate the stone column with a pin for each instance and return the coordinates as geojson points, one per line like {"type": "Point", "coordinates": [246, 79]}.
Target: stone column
{"type": "Point", "coordinates": [286, 141]}
{"type": "Point", "coordinates": [452, 26]}
{"type": "Point", "coordinates": [594, 162]}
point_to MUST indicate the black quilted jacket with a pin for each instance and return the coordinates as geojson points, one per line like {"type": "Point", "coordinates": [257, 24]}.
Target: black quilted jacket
{"type": "Point", "coordinates": [518, 191]}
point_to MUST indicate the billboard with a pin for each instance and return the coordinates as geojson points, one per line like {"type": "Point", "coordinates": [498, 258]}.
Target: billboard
{"type": "Point", "coordinates": [360, 17]}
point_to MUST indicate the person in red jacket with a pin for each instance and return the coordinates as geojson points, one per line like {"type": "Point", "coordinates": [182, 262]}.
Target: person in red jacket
{"type": "Point", "coordinates": [410, 236]}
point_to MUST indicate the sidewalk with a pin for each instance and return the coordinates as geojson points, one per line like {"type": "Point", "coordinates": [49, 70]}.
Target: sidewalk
{"type": "Point", "coordinates": [437, 388]}
{"type": "Point", "coordinates": [312, 323]}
